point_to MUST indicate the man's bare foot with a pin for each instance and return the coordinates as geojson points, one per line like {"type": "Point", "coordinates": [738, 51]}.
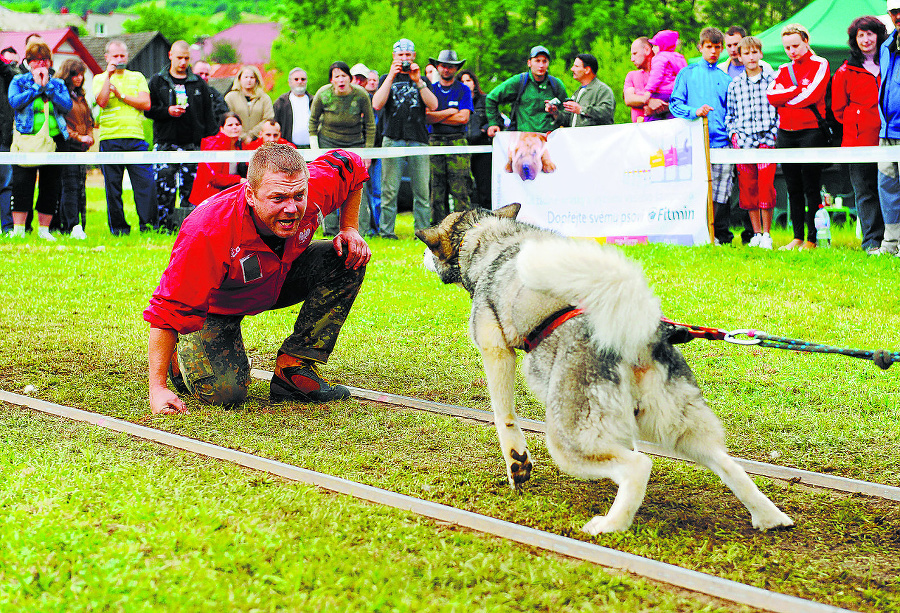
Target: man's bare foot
{"type": "Point", "coordinates": [807, 246]}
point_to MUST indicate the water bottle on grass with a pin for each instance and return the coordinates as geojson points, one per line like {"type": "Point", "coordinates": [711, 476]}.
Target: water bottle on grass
{"type": "Point", "coordinates": [823, 227]}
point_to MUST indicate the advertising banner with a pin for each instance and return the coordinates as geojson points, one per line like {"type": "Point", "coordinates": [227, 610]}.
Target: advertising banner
{"type": "Point", "coordinates": [620, 184]}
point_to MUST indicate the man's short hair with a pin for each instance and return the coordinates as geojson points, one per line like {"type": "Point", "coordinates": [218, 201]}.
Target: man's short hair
{"type": "Point", "coordinates": [736, 30]}
{"type": "Point", "coordinates": [588, 61]}
{"type": "Point", "coordinates": [296, 69]}
{"type": "Point", "coordinates": [115, 41]}
{"type": "Point", "coordinates": [712, 35]}
{"type": "Point", "coordinates": [274, 157]}
{"type": "Point", "coordinates": [749, 43]}
{"type": "Point", "coordinates": [795, 28]}
{"type": "Point", "coordinates": [272, 122]}
{"type": "Point", "coordinates": [644, 40]}
{"type": "Point", "coordinates": [9, 50]}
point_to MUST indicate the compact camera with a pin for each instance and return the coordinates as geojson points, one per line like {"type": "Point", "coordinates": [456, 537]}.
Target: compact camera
{"type": "Point", "coordinates": [405, 66]}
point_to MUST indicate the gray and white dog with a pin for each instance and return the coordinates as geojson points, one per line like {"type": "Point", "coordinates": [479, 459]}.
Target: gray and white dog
{"type": "Point", "coordinates": [606, 373]}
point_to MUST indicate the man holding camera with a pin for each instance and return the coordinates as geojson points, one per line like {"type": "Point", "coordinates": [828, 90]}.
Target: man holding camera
{"type": "Point", "coordinates": [528, 94]}
{"type": "Point", "coordinates": [404, 96]}
{"type": "Point", "coordinates": [123, 97]}
{"type": "Point", "coordinates": [592, 105]}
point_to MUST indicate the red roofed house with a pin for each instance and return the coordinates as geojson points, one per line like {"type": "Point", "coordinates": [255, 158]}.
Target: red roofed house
{"type": "Point", "coordinates": [64, 43]}
{"type": "Point", "coordinates": [252, 41]}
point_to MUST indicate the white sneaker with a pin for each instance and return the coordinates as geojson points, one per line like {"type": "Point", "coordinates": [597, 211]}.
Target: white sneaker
{"type": "Point", "coordinates": [765, 242]}
{"type": "Point", "coordinates": [754, 242]}
{"type": "Point", "coordinates": [44, 234]}
{"type": "Point", "coordinates": [78, 233]}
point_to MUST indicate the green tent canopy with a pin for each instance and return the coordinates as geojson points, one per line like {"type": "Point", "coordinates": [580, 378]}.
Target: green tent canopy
{"type": "Point", "coordinates": [827, 22]}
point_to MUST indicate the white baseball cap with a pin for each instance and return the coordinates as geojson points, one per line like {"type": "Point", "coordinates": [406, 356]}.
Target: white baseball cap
{"type": "Point", "coordinates": [893, 5]}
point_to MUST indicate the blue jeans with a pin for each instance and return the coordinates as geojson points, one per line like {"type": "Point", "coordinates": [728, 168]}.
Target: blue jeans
{"type": "Point", "coordinates": [419, 169]}
{"type": "Point", "coordinates": [374, 189]}
{"type": "Point", "coordinates": [141, 176]}
{"type": "Point", "coordinates": [5, 194]}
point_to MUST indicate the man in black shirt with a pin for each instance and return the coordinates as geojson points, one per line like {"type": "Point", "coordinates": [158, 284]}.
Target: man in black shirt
{"type": "Point", "coordinates": [182, 114]}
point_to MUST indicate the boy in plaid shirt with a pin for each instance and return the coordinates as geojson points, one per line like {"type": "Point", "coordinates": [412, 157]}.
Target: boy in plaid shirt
{"type": "Point", "coordinates": [752, 123]}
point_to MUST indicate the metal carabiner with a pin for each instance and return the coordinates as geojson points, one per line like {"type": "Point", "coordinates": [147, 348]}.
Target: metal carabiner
{"type": "Point", "coordinates": [730, 337]}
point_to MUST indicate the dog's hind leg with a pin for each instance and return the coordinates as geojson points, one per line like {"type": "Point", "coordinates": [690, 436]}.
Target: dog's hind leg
{"type": "Point", "coordinates": [763, 512]}
{"type": "Point", "coordinates": [500, 371]}
{"type": "Point", "coordinates": [675, 415]}
{"type": "Point", "coordinates": [630, 470]}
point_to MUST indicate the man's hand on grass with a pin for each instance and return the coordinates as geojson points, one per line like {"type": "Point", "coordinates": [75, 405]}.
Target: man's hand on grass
{"type": "Point", "coordinates": [163, 401]}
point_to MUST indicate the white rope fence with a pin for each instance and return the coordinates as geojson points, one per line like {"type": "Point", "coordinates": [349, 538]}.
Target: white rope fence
{"type": "Point", "coordinates": [822, 155]}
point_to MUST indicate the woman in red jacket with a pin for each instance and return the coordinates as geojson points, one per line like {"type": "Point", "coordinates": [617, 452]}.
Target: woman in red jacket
{"type": "Point", "coordinates": [798, 88]}
{"type": "Point", "coordinates": [854, 101]}
{"type": "Point", "coordinates": [213, 177]}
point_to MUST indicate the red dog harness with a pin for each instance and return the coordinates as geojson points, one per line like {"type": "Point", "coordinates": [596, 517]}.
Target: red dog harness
{"type": "Point", "coordinates": [546, 327]}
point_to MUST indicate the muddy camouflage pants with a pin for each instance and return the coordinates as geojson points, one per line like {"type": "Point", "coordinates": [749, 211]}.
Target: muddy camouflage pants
{"type": "Point", "coordinates": [450, 174]}
{"type": "Point", "coordinates": [213, 361]}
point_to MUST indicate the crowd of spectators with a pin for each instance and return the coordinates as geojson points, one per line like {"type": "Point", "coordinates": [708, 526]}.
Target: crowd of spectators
{"type": "Point", "coordinates": [747, 103]}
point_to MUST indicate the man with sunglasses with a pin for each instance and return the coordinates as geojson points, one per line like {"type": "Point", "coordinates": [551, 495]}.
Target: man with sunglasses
{"type": "Point", "coordinates": [292, 109]}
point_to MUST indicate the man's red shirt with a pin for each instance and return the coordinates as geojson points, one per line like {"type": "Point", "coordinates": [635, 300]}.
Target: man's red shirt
{"type": "Point", "coordinates": [219, 263]}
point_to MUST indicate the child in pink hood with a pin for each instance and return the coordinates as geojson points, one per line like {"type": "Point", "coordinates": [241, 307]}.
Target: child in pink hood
{"type": "Point", "coordinates": [664, 66]}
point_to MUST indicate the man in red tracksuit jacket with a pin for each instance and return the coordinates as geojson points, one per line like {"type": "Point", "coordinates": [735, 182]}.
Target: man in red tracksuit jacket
{"type": "Point", "coordinates": [247, 250]}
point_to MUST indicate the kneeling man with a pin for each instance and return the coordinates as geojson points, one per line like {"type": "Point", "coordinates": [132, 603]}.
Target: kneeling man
{"type": "Point", "coordinates": [247, 250]}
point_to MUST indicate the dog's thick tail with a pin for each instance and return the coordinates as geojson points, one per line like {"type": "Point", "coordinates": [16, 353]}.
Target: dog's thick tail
{"type": "Point", "coordinates": [612, 290]}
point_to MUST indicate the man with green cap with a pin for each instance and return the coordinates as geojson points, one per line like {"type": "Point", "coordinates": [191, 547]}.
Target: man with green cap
{"type": "Point", "coordinates": [528, 94]}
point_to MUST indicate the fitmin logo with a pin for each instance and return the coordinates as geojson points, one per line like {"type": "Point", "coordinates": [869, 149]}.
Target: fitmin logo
{"type": "Point", "coordinates": [302, 236]}
{"type": "Point", "coordinates": [682, 214]}
{"type": "Point", "coordinates": [235, 251]}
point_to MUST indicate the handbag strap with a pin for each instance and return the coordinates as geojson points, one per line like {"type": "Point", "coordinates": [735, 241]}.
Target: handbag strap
{"type": "Point", "coordinates": [813, 106]}
{"type": "Point", "coordinates": [45, 128]}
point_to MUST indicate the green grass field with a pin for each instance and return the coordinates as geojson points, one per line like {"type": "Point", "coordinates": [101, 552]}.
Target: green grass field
{"type": "Point", "coordinates": [98, 521]}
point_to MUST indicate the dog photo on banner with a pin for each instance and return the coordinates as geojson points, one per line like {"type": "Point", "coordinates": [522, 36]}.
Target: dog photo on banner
{"type": "Point", "coordinates": [619, 184]}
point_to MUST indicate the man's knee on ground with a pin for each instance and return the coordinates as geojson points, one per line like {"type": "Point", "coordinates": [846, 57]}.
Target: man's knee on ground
{"type": "Point", "coordinates": [219, 392]}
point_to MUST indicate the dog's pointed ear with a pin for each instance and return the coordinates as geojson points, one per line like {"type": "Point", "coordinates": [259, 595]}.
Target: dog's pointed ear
{"type": "Point", "coordinates": [509, 211]}
{"type": "Point", "coordinates": [429, 236]}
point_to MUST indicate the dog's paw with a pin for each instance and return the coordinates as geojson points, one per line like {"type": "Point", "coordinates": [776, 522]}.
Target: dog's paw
{"type": "Point", "coordinates": [772, 521]}
{"type": "Point", "coordinates": [519, 470]}
{"type": "Point", "coordinates": [603, 524]}
{"type": "Point", "coordinates": [549, 167]}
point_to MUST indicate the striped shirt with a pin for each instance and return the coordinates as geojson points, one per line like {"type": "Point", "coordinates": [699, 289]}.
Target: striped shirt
{"type": "Point", "coordinates": [749, 119]}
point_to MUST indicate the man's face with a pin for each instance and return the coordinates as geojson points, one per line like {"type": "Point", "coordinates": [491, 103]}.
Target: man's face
{"type": "Point", "coordinates": [202, 70]}
{"type": "Point", "coordinates": [731, 46]}
{"type": "Point", "coordinates": [640, 53]}
{"type": "Point", "coordinates": [794, 46]}
{"type": "Point", "coordinates": [180, 58]}
{"type": "Point", "coordinates": [117, 54]}
{"type": "Point", "coordinates": [11, 57]}
{"type": "Point", "coordinates": [578, 70]}
{"type": "Point", "coordinates": [710, 51]}
{"type": "Point", "coordinates": [297, 79]}
{"type": "Point", "coordinates": [750, 58]}
{"type": "Point", "coordinates": [895, 18]}
{"type": "Point", "coordinates": [372, 82]}
{"type": "Point", "coordinates": [360, 80]}
{"type": "Point", "coordinates": [447, 72]}
{"type": "Point", "coordinates": [279, 203]}
{"type": "Point", "coordinates": [538, 65]}
{"type": "Point", "coordinates": [270, 133]}
{"type": "Point", "coordinates": [405, 56]}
